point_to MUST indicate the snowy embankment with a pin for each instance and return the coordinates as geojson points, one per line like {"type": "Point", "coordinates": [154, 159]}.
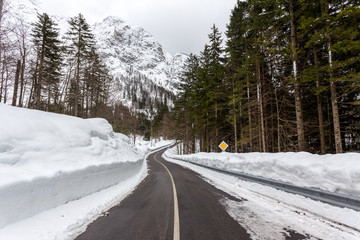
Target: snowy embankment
{"type": "Point", "coordinates": [152, 145]}
{"type": "Point", "coordinates": [332, 172]}
{"type": "Point", "coordinates": [268, 213]}
{"type": "Point", "coordinates": [50, 162]}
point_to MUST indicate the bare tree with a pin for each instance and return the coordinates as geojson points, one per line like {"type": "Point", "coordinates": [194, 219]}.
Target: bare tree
{"type": "Point", "coordinates": [22, 32]}
{"type": "Point", "coordinates": [16, 83]}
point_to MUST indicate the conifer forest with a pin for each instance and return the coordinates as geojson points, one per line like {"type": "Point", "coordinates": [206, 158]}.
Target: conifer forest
{"type": "Point", "coordinates": [288, 79]}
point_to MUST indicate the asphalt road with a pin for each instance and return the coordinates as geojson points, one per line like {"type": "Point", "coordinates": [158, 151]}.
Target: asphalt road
{"type": "Point", "coordinates": [148, 213]}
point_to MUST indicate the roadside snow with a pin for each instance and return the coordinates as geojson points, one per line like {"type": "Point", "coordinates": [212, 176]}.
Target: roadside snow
{"type": "Point", "coordinates": [69, 220]}
{"type": "Point", "coordinates": [331, 172]}
{"type": "Point", "coordinates": [154, 144]}
{"type": "Point", "coordinates": [269, 214]}
{"type": "Point", "coordinates": [52, 163]}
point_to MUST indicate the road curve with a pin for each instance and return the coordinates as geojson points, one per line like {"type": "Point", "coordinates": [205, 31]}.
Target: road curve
{"type": "Point", "coordinates": [148, 213]}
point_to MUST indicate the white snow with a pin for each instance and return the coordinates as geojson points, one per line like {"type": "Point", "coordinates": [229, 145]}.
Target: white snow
{"type": "Point", "coordinates": [153, 144]}
{"type": "Point", "coordinates": [58, 172]}
{"type": "Point", "coordinates": [331, 172]}
{"type": "Point", "coordinates": [268, 214]}
{"type": "Point", "coordinates": [67, 221]}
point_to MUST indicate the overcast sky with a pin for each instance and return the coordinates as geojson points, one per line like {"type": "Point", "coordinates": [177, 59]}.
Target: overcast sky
{"type": "Point", "coordinates": [179, 25]}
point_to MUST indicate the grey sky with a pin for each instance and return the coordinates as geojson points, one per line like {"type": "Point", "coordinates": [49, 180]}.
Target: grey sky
{"type": "Point", "coordinates": [179, 25]}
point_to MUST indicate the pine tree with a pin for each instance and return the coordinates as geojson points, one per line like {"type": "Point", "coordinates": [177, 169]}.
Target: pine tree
{"type": "Point", "coordinates": [216, 75]}
{"type": "Point", "coordinates": [96, 82]}
{"type": "Point", "coordinates": [81, 43]}
{"type": "Point", "coordinates": [343, 39]}
{"type": "Point", "coordinates": [237, 74]}
{"type": "Point", "coordinates": [46, 72]}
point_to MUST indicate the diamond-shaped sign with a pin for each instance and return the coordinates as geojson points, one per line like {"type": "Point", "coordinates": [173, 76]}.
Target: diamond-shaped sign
{"type": "Point", "coordinates": [223, 146]}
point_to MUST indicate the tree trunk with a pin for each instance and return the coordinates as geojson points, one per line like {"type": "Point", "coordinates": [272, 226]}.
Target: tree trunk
{"type": "Point", "coordinates": [29, 105]}
{"type": "Point", "coordinates": [77, 85]}
{"type": "Point", "coordinates": [48, 100]}
{"type": "Point", "coordinates": [260, 102]}
{"type": "Point", "coordinates": [216, 126]}
{"type": "Point", "coordinates": [240, 125]}
{"type": "Point", "coordinates": [76, 97]}
{"type": "Point", "coordinates": [319, 106]}
{"type": "Point", "coordinates": [6, 84]}
{"type": "Point", "coordinates": [335, 108]}
{"type": "Point", "coordinates": [39, 80]}
{"type": "Point", "coordinates": [83, 100]}
{"type": "Point", "coordinates": [278, 121]}
{"type": "Point", "coordinates": [234, 116]}
{"type": "Point", "coordinates": [298, 107]}
{"type": "Point", "coordinates": [336, 119]}
{"type": "Point", "coordinates": [249, 111]}
{"type": "Point", "coordinates": [16, 84]}
{"type": "Point", "coordinates": [22, 82]}
{"type": "Point", "coordinates": [87, 103]}
{"type": "Point", "coordinates": [2, 78]}
{"type": "Point", "coordinates": [2, 74]}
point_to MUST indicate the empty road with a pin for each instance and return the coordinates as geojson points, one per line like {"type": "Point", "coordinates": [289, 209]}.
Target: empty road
{"type": "Point", "coordinates": [171, 203]}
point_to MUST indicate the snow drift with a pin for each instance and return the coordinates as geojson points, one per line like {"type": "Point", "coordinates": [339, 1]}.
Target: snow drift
{"type": "Point", "coordinates": [267, 213]}
{"type": "Point", "coordinates": [331, 172]}
{"type": "Point", "coordinates": [48, 159]}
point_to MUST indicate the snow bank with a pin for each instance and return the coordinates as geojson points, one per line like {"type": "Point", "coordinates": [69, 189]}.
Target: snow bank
{"type": "Point", "coordinates": [266, 213]}
{"type": "Point", "coordinates": [49, 159]}
{"type": "Point", "coordinates": [152, 145]}
{"type": "Point", "coordinates": [331, 172]}
{"type": "Point", "coordinates": [69, 220]}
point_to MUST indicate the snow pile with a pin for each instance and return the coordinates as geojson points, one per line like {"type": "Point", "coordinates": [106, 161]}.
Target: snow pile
{"type": "Point", "coordinates": [331, 172]}
{"type": "Point", "coordinates": [47, 160]}
{"type": "Point", "coordinates": [268, 213]}
{"type": "Point", "coordinates": [69, 220]}
{"type": "Point", "coordinates": [152, 145]}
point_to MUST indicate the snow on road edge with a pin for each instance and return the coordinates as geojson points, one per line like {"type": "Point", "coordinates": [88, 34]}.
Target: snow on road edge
{"type": "Point", "coordinates": [49, 159]}
{"type": "Point", "coordinates": [266, 212]}
{"type": "Point", "coordinates": [67, 221]}
{"type": "Point", "coordinates": [331, 172]}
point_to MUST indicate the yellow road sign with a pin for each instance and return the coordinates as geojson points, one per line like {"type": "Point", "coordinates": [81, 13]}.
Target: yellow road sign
{"type": "Point", "coordinates": [223, 146]}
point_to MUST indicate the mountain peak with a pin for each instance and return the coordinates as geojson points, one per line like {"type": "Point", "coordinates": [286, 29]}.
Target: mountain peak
{"type": "Point", "coordinates": [144, 73]}
{"type": "Point", "coordinates": [113, 20]}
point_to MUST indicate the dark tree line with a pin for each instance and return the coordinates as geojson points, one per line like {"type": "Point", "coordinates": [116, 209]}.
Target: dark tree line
{"type": "Point", "coordinates": [288, 80]}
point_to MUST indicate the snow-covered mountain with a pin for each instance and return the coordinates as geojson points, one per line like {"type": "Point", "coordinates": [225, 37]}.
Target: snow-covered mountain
{"type": "Point", "coordinates": [144, 72]}
{"type": "Point", "coordinates": [133, 51]}
{"type": "Point", "coordinates": [145, 75]}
